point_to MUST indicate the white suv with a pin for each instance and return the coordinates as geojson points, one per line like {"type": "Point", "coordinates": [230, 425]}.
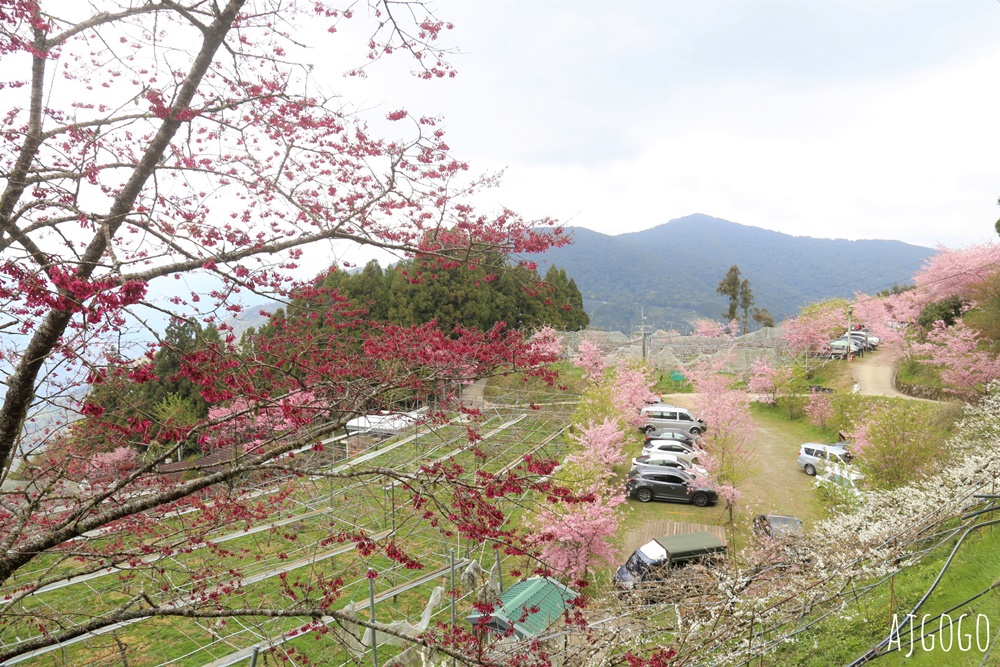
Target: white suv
{"type": "Point", "coordinates": [814, 456]}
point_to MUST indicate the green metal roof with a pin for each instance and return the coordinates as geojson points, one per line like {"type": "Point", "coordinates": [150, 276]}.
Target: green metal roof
{"type": "Point", "coordinates": [548, 595]}
{"type": "Point", "coordinates": [686, 546]}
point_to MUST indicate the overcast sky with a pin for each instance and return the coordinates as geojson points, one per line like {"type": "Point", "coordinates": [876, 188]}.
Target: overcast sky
{"type": "Point", "coordinates": [848, 119]}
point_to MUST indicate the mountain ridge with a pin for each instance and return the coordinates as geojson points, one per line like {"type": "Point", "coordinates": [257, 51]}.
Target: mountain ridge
{"type": "Point", "coordinates": [670, 272]}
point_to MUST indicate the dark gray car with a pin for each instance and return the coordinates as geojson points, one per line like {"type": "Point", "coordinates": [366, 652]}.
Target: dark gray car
{"type": "Point", "coordinates": [647, 485]}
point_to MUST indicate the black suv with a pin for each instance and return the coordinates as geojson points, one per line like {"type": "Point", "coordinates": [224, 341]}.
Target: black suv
{"type": "Point", "coordinates": [646, 485]}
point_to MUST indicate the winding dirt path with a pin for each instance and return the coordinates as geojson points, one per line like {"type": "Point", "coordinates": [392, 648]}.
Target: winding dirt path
{"type": "Point", "coordinates": [874, 374]}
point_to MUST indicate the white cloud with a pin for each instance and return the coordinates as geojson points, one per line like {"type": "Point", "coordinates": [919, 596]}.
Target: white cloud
{"type": "Point", "coordinates": [852, 119]}
{"type": "Point", "coordinates": [911, 159]}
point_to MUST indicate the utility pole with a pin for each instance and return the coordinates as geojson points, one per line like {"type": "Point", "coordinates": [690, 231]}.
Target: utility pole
{"type": "Point", "coordinates": [642, 330]}
{"type": "Point", "coordinates": [850, 311]}
{"type": "Point", "coordinates": [642, 315]}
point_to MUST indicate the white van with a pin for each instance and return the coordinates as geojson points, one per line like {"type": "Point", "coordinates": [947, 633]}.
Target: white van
{"type": "Point", "coordinates": [660, 416]}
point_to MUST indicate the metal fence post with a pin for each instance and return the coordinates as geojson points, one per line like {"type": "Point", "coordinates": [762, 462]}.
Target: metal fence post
{"type": "Point", "coordinates": [496, 552]}
{"type": "Point", "coordinates": [371, 607]}
{"type": "Point", "coordinates": [451, 559]}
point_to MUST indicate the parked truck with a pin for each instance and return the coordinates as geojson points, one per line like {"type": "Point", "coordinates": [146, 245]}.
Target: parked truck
{"type": "Point", "coordinates": [652, 561]}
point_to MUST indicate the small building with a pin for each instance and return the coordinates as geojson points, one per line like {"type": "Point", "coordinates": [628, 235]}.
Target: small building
{"type": "Point", "coordinates": [527, 609]}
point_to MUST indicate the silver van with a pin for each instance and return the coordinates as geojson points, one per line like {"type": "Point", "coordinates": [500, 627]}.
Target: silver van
{"type": "Point", "coordinates": [814, 456]}
{"type": "Point", "coordinates": [659, 416]}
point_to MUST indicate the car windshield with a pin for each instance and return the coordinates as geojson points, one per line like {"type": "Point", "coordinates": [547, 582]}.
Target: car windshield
{"type": "Point", "coordinates": [784, 525]}
{"type": "Point", "coordinates": [637, 565]}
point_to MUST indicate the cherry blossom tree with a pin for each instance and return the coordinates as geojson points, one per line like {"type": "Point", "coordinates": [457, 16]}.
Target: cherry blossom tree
{"type": "Point", "coordinates": [708, 328]}
{"type": "Point", "coordinates": [601, 448]}
{"type": "Point", "coordinates": [782, 385]}
{"type": "Point", "coordinates": [819, 408]}
{"type": "Point", "coordinates": [106, 467]}
{"type": "Point", "coordinates": [588, 357]}
{"type": "Point", "coordinates": [547, 342]}
{"type": "Point", "coordinates": [765, 380]}
{"type": "Point", "coordinates": [617, 395]}
{"type": "Point", "coordinates": [249, 427]}
{"type": "Point", "coordinates": [892, 318]}
{"type": "Point", "coordinates": [731, 428]}
{"type": "Point", "coordinates": [959, 353]}
{"type": "Point", "coordinates": [895, 443]}
{"type": "Point", "coordinates": [954, 272]}
{"type": "Point", "coordinates": [810, 333]}
{"type": "Point", "coordinates": [630, 389]}
{"type": "Point", "coordinates": [712, 329]}
{"type": "Point", "coordinates": [733, 328]}
{"type": "Point", "coordinates": [814, 327]}
{"type": "Point", "coordinates": [575, 535]}
{"type": "Point", "coordinates": [165, 159]}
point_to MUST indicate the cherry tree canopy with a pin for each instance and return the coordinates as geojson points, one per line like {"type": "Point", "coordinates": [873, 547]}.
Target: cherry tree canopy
{"type": "Point", "coordinates": [161, 157]}
{"type": "Point", "coordinates": [952, 272]}
{"type": "Point", "coordinates": [815, 325]}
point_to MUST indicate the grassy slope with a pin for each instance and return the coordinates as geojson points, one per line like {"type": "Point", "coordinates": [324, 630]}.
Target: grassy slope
{"type": "Point", "coordinates": [845, 637]}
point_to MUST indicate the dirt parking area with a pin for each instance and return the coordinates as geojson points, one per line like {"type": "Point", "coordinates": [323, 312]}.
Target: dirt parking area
{"type": "Point", "coordinates": [777, 485]}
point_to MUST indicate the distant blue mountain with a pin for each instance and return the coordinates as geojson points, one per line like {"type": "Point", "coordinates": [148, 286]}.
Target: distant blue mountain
{"type": "Point", "coordinates": [671, 271]}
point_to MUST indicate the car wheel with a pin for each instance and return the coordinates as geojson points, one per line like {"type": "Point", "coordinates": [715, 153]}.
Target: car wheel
{"type": "Point", "coordinates": [648, 429]}
{"type": "Point", "coordinates": [695, 431]}
{"type": "Point", "coordinates": [810, 469]}
{"type": "Point", "coordinates": [699, 499]}
{"type": "Point", "coordinates": [644, 495]}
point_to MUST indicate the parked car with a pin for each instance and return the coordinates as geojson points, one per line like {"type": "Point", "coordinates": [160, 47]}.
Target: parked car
{"type": "Point", "coordinates": [844, 344]}
{"type": "Point", "coordinates": [843, 475]}
{"type": "Point", "coordinates": [650, 564]}
{"type": "Point", "coordinates": [661, 416]}
{"type": "Point", "coordinates": [661, 461]}
{"type": "Point", "coordinates": [647, 485]}
{"type": "Point", "coordinates": [814, 456]}
{"type": "Point", "coordinates": [670, 434]}
{"type": "Point", "coordinates": [671, 446]}
{"type": "Point", "coordinates": [840, 348]}
{"type": "Point", "coordinates": [867, 340]}
{"type": "Point", "coordinates": [777, 525]}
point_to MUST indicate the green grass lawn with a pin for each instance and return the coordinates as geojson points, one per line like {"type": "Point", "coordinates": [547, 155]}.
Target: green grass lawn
{"type": "Point", "coordinates": [835, 373]}
{"type": "Point", "coordinates": [920, 373]}
{"type": "Point", "coordinates": [844, 637]}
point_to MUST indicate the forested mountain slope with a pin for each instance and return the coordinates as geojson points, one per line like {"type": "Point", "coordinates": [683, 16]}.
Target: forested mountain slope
{"type": "Point", "coordinates": [671, 271]}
